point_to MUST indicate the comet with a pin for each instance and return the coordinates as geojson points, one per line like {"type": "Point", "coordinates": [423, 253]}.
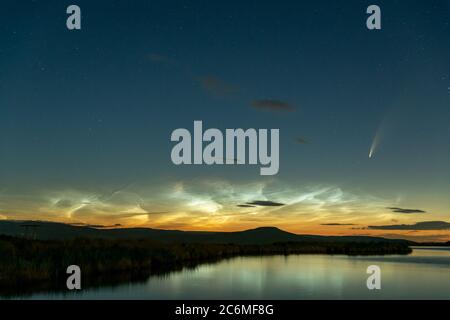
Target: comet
{"type": "Point", "coordinates": [373, 146]}
{"type": "Point", "coordinates": [376, 140]}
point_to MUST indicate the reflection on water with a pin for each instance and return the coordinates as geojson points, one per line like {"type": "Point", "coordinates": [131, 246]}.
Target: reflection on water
{"type": "Point", "coordinates": [425, 274]}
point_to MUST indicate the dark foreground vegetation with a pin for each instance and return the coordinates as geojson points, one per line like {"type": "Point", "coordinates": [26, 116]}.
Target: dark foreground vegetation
{"type": "Point", "coordinates": [41, 264]}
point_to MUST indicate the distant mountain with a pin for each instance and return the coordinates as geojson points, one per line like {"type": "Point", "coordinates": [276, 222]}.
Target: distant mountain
{"type": "Point", "coordinates": [59, 231]}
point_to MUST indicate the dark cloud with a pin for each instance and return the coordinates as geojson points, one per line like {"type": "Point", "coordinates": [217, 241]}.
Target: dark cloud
{"type": "Point", "coordinates": [338, 224]}
{"type": "Point", "coordinates": [300, 140]}
{"type": "Point", "coordinates": [263, 203]}
{"type": "Point", "coordinates": [412, 237]}
{"type": "Point", "coordinates": [407, 211]}
{"type": "Point", "coordinates": [245, 206]}
{"type": "Point", "coordinates": [272, 105]}
{"type": "Point", "coordinates": [425, 225]}
{"type": "Point", "coordinates": [215, 86]}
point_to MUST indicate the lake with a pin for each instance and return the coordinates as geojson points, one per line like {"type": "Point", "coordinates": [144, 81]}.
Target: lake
{"type": "Point", "coordinates": [424, 274]}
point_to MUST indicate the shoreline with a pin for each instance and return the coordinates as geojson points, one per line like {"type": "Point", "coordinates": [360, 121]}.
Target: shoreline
{"type": "Point", "coordinates": [27, 266]}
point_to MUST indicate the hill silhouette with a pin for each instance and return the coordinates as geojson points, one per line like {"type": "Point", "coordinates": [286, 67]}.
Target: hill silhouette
{"type": "Point", "coordinates": [43, 230]}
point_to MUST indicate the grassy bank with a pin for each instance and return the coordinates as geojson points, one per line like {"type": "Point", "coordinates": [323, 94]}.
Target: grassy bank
{"type": "Point", "coordinates": [24, 262]}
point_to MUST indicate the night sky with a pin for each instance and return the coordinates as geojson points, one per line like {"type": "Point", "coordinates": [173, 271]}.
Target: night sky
{"type": "Point", "coordinates": [86, 115]}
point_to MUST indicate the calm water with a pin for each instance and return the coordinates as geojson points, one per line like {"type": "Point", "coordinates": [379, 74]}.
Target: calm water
{"type": "Point", "coordinates": [425, 274]}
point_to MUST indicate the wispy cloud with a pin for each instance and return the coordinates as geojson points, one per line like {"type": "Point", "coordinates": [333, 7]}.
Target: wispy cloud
{"type": "Point", "coordinates": [63, 203]}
